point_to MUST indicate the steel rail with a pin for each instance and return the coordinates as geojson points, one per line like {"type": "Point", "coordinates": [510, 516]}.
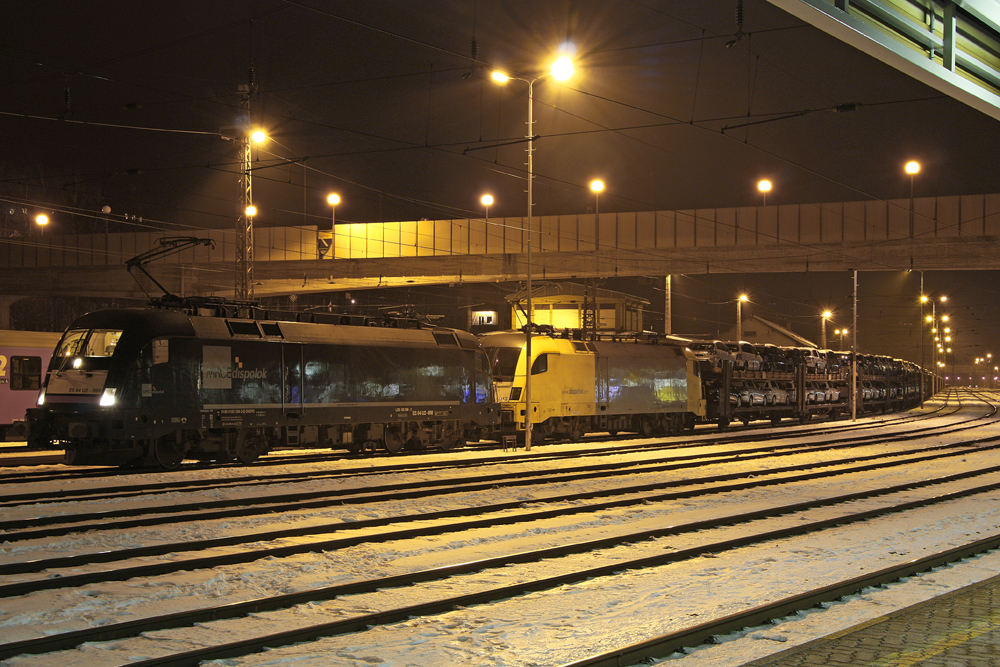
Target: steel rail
{"type": "Point", "coordinates": [628, 655]}
{"type": "Point", "coordinates": [271, 503]}
{"type": "Point", "coordinates": [122, 574]}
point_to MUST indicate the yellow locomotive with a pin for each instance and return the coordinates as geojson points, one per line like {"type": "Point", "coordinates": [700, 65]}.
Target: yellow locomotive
{"type": "Point", "coordinates": [609, 384]}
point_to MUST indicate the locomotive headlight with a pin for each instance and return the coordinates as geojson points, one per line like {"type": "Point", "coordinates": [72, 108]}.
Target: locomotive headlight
{"type": "Point", "coordinates": [77, 362]}
{"type": "Point", "coordinates": [108, 398]}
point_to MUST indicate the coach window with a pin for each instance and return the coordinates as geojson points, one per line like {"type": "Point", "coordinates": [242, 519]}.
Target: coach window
{"type": "Point", "coordinates": [25, 373]}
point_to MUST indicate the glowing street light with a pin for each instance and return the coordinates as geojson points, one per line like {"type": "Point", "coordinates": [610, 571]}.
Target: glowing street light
{"type": "Point", "coordinates": [822, 340]}
{"type": "Point", "coordinates": [324, 240]}
{"type": "Point", "coordinates": [562, 70]}
{"type": "Point", "coordinates": [912, 168]}
{"type": "Point", "coordinates": [841, 332]}
{"type": "Point", "coordinates": [597, 187]}
{"type": "Point", "coordinates": [739, 316]}
{"type": "Point", "coordinates": [764, 186]}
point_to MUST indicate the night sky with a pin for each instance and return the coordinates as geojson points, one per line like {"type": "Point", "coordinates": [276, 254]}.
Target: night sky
{"type": "Point", "coordinates": [390, 104]}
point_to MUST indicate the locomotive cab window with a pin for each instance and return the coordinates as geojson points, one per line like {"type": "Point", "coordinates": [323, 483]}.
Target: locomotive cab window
{"type": "Point", "coordinates": [504, 362]}
{"type": "Point", "coordinates": [87, 343]}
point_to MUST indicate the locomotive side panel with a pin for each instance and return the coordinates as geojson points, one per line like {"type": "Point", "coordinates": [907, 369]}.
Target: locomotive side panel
{"type": "Point", "coordinates": [644, 378]}
{"type": "Point", "coordinates": [155, 387]}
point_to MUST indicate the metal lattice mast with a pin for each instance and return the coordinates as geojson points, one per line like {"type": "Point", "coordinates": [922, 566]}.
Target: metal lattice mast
{"type": "Point", "coordinates": [244, 225]}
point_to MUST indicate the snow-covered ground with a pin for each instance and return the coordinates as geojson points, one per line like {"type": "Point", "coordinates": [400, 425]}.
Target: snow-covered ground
{"type": "Point", "coordinates": [547, 628]}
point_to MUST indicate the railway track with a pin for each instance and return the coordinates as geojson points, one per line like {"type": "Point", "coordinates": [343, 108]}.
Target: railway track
{"type": "Point", "coordinates": [202, 510]}
{"type": "Point", "coordinates": [774, 524]}
{"type": "Point", "coordinates": [659, 444]}
{"type": "Point", "coordinates": [355, 624]}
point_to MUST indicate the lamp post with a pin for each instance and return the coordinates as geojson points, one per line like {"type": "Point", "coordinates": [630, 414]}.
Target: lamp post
{"type": "Point", "coordinates": [487, 201]}
{"type": "Point", "coordinates": [841, 332]}
{"type": "Point", "coordinates": [912, 168]}
{"type": "Point", "coordinates": [597, 187]}
{"type": "Point", "coordinates": [764, 186]}
{"type": "Point", "coordinates": [562, 70]}
{"type": "Point", "coordinates": [244, 228]}
{"type": "Point", "coordinates": [42, 220]}
{"type": "Point", "coordinates": [324, 241]}
{"type": "Point", "coordinates": [739, 316]}
{"type": "Point", "coordinates": [822, 339]}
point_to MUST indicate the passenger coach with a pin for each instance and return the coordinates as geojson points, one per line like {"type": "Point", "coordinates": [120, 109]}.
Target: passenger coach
{"type": "Point", "coordinates": [24, 355]}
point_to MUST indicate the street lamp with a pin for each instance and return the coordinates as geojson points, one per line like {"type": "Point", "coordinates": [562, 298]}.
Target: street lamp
{"type": "Point", "coordinates": [324, 240]}
{"type": "Point", "coordinates": [597, 187]}
{"type": "Point", "coordinates": [841, 332]}
{"type": "Point", "coordinates": [562, 70]}
{"type": "Point", "coordinates": [826, 315]}
{"type": "Point", "coordinates": [764, 186]}
{"type": "Point", "coordinates": [487, 201]}
{"type": "Point", "coordinates": [912, 168]}
{"type": "Point", "coordinates": [739, 317]}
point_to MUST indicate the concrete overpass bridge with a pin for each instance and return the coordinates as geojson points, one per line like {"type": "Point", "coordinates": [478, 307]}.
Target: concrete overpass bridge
{"type": "Point", "coordinates": [939, 233]}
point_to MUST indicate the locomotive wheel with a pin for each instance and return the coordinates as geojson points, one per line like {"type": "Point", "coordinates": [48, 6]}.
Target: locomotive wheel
{"type": "Point", "coordinates": [576, 430]}
{"type": "Point", "coordinates": [648, 427]}
{"type": "Point", "coordinates": [250, 445]}
{"type": "Point", "coordinates": [168, 452]}
{"type": "Point", "coordinates": [393, 442]}
{"type": "Point", "coordinates": [451, 442]}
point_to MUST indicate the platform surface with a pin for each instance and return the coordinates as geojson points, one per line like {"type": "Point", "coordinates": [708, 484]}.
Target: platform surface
{"type": "Point", "coordinates": [958, 629]}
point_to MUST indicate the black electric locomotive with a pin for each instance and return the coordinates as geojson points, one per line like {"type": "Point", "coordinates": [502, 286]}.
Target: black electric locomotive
{"type": "Point", "coordinates": [155, 386]}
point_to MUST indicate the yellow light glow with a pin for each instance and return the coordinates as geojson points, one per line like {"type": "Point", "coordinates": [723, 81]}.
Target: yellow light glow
{"type": "Point", "coordinates": [487, 200]}
{"type": "Point", "coordinates": [333, 199]}
{"type": "Point", "coordinates": [912, 167]}
{"type": "Point", "coordinates": [42, 219]}
{"type": "Point", "coordinates": [764, 185]}
{"type": "Point", "coordinates": [562, 68]}
{"type": "Point", "coordinates": [251, 210]}
{"type": "Point", "coordinates": [597, 185]}
{"type": "Point", "coordinates": [827, 314]}
{"type": "Point", "coordinates": [500, 76]}
{"type": "Point", "coordinates": [258, 136]}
